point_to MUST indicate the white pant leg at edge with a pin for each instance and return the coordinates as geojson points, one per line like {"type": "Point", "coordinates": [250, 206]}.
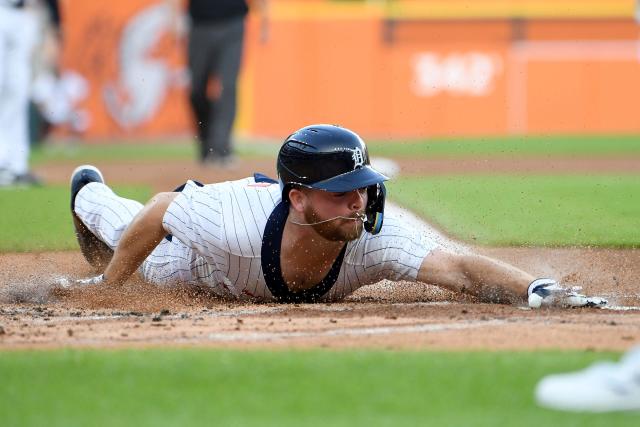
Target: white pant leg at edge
{"type": "Point", "coordinates": [107, 215]}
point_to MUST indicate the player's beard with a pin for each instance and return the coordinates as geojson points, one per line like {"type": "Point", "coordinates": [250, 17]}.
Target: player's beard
{"type": "Point", "coordinates": [336, 230]}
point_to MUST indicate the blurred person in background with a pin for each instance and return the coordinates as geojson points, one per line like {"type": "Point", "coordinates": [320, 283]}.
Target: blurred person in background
{"type": "Point", "coordinates": [55, 92]}
{"type": "Point", "coordinates": [214, 54]}
{"type": "Point", "coordinates": [19, 35]}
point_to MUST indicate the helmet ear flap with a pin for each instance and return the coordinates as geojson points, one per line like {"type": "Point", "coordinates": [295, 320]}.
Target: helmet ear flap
{"type": "Point", "coordinates": [376, 195]}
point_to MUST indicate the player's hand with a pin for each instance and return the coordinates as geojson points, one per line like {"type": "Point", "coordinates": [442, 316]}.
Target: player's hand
{"type": "Point", "coordinates": [548, 292]}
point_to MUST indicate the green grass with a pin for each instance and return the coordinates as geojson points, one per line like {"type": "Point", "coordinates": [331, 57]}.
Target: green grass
{"type": "Point", "coordinates": [138, 151]}
{"type": "Point", "coordinates": [491, 210]}
{"type": "Point", "coordinates": [528, 210]}
{"type": "Point", "coordinates": [294, 388]}
{"type": "Point", "coordinates": [489, 146]}
{"type": "Point", "coordinates": [38, 219]}
{"type": "Point", "coordinates": [511, 146]}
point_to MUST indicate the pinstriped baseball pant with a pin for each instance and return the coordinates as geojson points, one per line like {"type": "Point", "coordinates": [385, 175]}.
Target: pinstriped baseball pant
{"type": "Point", "coordinates": [107, 216]}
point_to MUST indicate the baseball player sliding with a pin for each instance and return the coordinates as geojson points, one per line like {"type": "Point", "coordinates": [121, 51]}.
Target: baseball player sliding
{"type": "Point", "coordinates": [317, 234]}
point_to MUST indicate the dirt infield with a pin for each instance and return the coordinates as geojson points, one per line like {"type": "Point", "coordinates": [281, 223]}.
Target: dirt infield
{"type": "Point", "coordinates": [387, 315]}
{"type": "Point", "coordinates": [36, 314]}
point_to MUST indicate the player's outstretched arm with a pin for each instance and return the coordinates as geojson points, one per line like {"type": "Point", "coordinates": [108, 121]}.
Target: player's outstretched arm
{"type": "Point", "coordinates": [140, 238]}
{"type": "Point", "coordinates": [487, 278]}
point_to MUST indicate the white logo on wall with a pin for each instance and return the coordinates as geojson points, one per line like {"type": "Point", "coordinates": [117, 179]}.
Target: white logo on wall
{"type": "Point", "coordinates": [470, 73]}
{"type": "Point", "coordinates": [144, 79]}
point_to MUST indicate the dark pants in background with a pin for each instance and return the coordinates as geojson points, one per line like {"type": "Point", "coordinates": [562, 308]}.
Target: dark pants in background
{"type": "Point", "coordinates": [215, 50]}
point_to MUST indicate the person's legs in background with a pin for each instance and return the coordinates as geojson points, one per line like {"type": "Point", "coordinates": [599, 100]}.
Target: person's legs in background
{"type": "Point", "coordinates": [215, 52]}
{"type": "Point", "coordinates": [199, 61]}
{"type": "Point", "coordinates": [18, 35]}
{"type": "Point", "coordinates": [227, 67]}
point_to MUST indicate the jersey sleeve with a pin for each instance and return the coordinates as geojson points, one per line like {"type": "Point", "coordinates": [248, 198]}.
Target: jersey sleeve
{"type": "Point", "coordinates": [396, 253]}
{"type": "Point", "coordinates": [195, 218]}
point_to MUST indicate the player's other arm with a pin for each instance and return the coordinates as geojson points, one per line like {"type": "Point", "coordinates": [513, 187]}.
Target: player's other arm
{"type": "Point", "coordinates": [140, 238]}
{"type": "Point", "coordinates": [489, 279]}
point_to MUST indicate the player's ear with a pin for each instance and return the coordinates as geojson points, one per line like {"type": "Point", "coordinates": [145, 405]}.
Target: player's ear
{"type": "Point", "coordinates": [297, 198]}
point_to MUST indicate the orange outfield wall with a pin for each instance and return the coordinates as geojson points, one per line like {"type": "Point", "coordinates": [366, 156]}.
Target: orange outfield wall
{"type": "Point", "coordinates": [450, 77]}
{"type": "Point", "coordinates": [344, 72]}
{"type": "Point", "coordinates": [384, 77]}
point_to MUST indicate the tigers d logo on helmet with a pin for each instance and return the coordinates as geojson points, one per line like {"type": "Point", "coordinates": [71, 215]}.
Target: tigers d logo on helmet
{"type": "Point", "coordinates": [358, 158]}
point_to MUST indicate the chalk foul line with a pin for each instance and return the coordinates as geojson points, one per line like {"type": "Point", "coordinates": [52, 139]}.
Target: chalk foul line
{"type": "Point", "coordinates": [350, 332]}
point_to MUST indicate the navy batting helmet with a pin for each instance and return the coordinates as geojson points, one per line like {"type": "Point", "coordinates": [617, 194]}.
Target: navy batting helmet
{"type": "Point", "coordinates": [332, 158]}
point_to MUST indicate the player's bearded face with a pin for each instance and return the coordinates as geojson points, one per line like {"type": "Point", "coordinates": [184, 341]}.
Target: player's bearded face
{"type": "Point", "coordinates": [338, 230]}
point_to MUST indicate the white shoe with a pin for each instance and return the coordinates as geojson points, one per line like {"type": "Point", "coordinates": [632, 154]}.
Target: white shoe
{"type": "Point", "coordinates": [602, 387]}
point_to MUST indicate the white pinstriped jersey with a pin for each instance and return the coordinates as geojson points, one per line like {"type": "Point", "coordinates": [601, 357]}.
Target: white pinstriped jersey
{"type": "Point", "coordinates": [220, 229]}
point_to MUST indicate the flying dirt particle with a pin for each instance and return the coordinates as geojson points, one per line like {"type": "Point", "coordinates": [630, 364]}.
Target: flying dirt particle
{"type": "Point", "coordinates": [628, 338]}
{"type": "Point", "coordinates": [124, 335]}
{"type": "Point", "coordinates": [333, 321]}
{"type": "Point", "coordinates": [463, 311]}
{"type": "Point", "coordinates": [30, 293]}
{"type": "Point", "coordinates": [613, 323]}
{"type": "Point", "coordinates": [391, 317]}
{"type": "Point", "coordinates": [164, 312]}
{"type": "Point", "coordinates": [240, 321]}
{"type": "Point", "coordinates": [2, 331]}
{"type": "Point", "coordinates": [69, 332]}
